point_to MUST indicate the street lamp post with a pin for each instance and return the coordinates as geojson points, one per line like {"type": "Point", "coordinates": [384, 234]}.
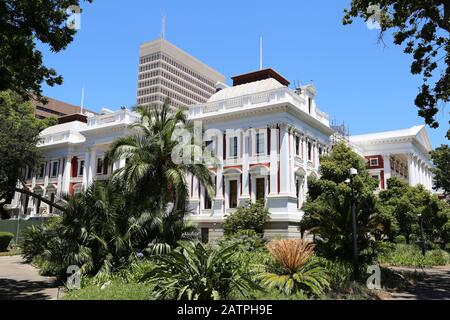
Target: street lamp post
{"type": "Point", "coordinates": [353, 172]}
{"type": "Point", "coordinates": [422, 238]}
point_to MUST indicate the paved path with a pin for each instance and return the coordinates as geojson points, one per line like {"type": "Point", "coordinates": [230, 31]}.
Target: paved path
{"type": "Point", "coordinates": [21, 281]}
{"type": "Point", "coordinates": [434, 286]}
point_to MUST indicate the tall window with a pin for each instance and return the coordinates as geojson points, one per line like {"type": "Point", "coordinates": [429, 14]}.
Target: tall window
{"type": "Point", "coordinates": [297, 146]}
{"type": "Point", "coordinates": [233, 147]}
{"type": "Point", "coordinates": [29, 172]}
{"type": "Point", "coordinates": [99, 166]}
{"type": "Point", "coordinates": [55, 166]}
{"type": "Point", "coordinates": [260, 189]}
{"type": "Point", "coordinates": [81, 168]}
{"type": "Point", "coordinates": [42, 171]}
{"type": "Point", "coordinates": [208, 203]}
{"type": "Point", "coordinates": [233, 194]}
{"type": "Point", "coordinates": [260, 143]}
{"type": "Point", "coordinates": [309, 151]}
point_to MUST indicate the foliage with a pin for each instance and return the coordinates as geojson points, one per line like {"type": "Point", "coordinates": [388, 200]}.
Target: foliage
{"type": "Point", "coordinates": [23, 23]}
{"type": "Point", "coordinates": [294, 271]}
{"type": "Point", "coordinates": [5, 240]}
{"type": "Point", "coordinates": [194, 271]}
{"type": "Point", "coordinates": [153, 182]}
{"type": "Point", "coordinates": [19, 134]}
{"type": "Point", "coordinates": [400, 239]}
{"type": "Point", "coordinates": [328, 207]}
{"type": "Point", "coordinates": [403, 204]}
{"type": "Point", "coordinates": [96, 232]}
{"type": "Point", "coordinates": [424, 27]}
{"type": "Point", "coordinates": [411, 256]}
{"type": "Point", "coordinates": [115, 290]}
{"type": "Point", "coordinates": [339, 273]}
{"type": "Point", "coordinates": [441, 160]}
{"type": "Point", "coordinates": [245, 240]}
{"type": "Point", "coordinates": [251, 217]}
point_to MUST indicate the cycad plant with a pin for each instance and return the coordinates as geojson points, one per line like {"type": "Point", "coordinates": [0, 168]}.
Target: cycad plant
{"type": "Point", "coordinates": [295, 271]}
{"type": "Point", "coordinates": [194, 271]}
{"type": "Point", "coordinates": [151, 179]}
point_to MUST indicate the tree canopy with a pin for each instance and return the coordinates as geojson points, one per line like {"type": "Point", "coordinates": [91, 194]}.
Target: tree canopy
{"type": "Point", "coordinates": [424, 27]}
{"type": "Point", "coordinates": [19, 134]}
{"type": "Point", "coordinates": [328, 207]}
{"type": "Point", "coordinates": [441, 159]}
{"type": "Point", "coordinates": [22, 24]}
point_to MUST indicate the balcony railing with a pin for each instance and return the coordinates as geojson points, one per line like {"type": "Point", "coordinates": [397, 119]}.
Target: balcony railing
{"type": "Point", "coordinates": [124, 116]}
{"type": "Point", "coordinates": [280, 95]}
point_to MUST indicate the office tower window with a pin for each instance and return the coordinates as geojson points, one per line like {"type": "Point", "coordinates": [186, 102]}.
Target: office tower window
{"type": "Point", "coordinates": [233, 194]}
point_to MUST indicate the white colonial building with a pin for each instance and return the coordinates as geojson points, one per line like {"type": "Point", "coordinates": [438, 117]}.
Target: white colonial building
{"type": "Point", "coordinates": [402, 153]}
{"type": "Point", "coordinates": [266, 139]}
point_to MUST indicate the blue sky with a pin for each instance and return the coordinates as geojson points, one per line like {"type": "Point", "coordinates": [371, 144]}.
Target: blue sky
{"type": "Point", "coordinates": [361, 82]}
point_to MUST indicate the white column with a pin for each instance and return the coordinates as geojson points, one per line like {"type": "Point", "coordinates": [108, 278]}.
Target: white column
{"type": "Point", "coordinates": [386, 169]}
{"type": "Point", "coordinates": [292, 161]}
{"type": "Point", "coordinates": [245, 165]}
{"type": "Point", "coordinates": [274, 161]}
{"type": "Point", "coordinates": [92, 166]}
{"type": "Point", "coordinates": [284, 160]}
{"type": "Point", "coordinates": [60, 180]}
{"type": "Point", "coordinates": [86, 170]}
{"type": "Point", "coordinates": [410, 169]}
{"type": "Point", "coordinates": [305, 166]}
{"type": "Point", "coordinates": [66, 175]}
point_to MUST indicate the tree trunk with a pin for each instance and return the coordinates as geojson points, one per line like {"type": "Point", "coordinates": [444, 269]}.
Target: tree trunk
{"type": "Point", "coordinates": [44, 200]}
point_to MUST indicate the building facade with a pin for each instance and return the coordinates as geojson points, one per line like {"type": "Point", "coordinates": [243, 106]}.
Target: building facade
{"type": "Point", "coordinates": [167, 71]}
{"type": "Point", "coordinates": [404, 154]}
{"type": "Point", "coordinates": [55, 108]}
{"type": "Point", "coordinates": [266, 140]}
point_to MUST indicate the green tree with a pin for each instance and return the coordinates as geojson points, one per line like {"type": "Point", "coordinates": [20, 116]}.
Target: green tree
{"type": "Point", "coordinates": [424, 27]}
{"type": "Point", "coordinates": [441, 159]}
{"type": "Point", "coordinates": [19, 134]}
{"type": "Point", "coordinates": [251, 217]}
{"type": "Point", "coordinates": [22, 24]}
{"type": "Point", "coordinates": [154, 182]}
{"type": "Point", "coordinates": [405, 203]}
{"type": "Point", "coordinates": [197, 272]}
{"type": "Point", "coordinates": [328, 207]}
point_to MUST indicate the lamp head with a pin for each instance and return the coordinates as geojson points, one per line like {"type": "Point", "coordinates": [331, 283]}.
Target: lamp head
{"type": "Point", "coordinates": [353, 171]}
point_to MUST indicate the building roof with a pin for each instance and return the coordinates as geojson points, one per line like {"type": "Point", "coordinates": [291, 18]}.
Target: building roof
{"type": "Point", "coordinates": [55, 108]}
{"type": "Point", "coordinates": [419, 133]}
{"type": "Point", "coordinates": [246, 89]}
{"type": "Point", "coordinates": [259, 75]}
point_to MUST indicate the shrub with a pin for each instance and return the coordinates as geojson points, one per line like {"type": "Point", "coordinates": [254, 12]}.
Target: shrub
{"type": "Point", "coordinates": [194, 271]}
{"type": "Point", "coordinates": [245, 240]}
{"type": "Point", "coordinates": [294, 272]}
{"type": "Point", "coordinates": [411, 256]}
{"type": "Point", "coordinates": [5, 239]}
{"type": "Point", "coordinates": [252, 217]}
{"type": "Point", "coordinates": [400, 239]}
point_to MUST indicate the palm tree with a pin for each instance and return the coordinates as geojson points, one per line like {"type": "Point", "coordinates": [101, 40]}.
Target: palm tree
{"type": "Point", "coordinates": [156, 185]}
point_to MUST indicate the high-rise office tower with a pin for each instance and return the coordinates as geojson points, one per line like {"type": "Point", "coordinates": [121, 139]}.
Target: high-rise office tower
{"type": "Point", "coordinates": [166, 71]}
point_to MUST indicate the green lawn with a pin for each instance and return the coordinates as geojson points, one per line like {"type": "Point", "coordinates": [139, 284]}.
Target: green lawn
{"type": "Point", "coordinates": [11, 252]}
{"type": "Point", "coordinates": [117, 290]}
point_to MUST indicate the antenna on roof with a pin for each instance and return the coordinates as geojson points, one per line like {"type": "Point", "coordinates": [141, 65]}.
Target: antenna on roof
{"type": "Point", "coordinates": [163, 27]}
{"type": "Point", "coordinates": [82, 100]}
{"type": "Point", "coordinates": [261, 53]}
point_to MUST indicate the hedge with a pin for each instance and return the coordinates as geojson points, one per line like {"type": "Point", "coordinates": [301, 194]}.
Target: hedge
{"type": "Point", "coordinates": [5, 239]}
